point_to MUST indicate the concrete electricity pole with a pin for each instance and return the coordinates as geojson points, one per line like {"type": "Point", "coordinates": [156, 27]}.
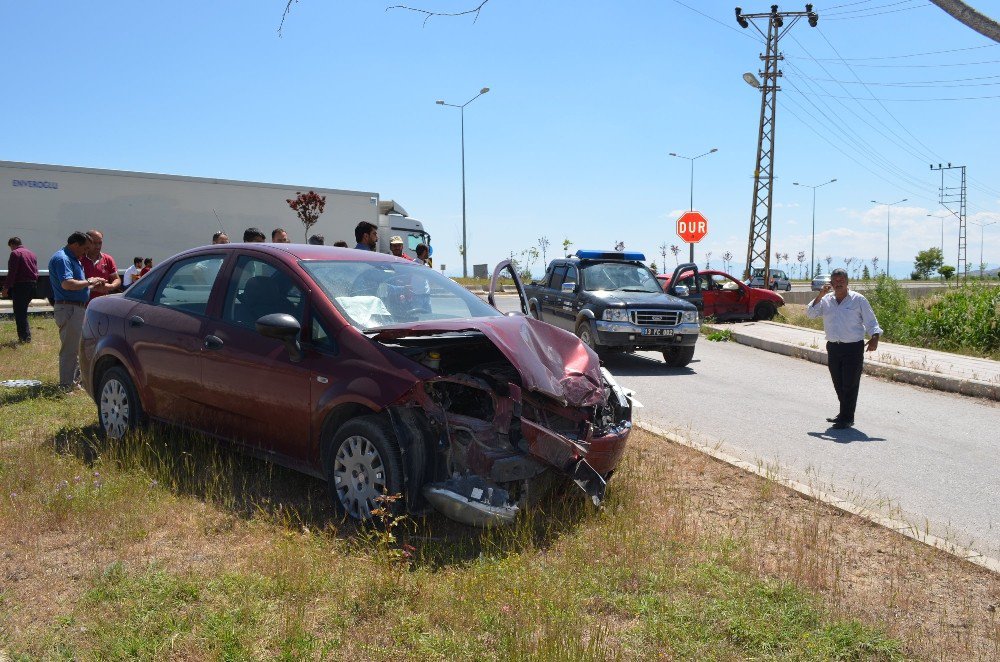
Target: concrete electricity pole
{"type": "Point", "coordinates": [759, 244]}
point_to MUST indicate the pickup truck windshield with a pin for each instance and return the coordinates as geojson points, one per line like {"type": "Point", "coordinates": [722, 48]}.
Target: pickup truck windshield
{"type": "Point", "coordinates": [374, 294]}
{"type": "Point", "coordinates": [619, 277]}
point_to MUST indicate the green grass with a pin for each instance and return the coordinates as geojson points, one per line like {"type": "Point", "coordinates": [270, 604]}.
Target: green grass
{"type": "Point", "coordinates": [169, 545]}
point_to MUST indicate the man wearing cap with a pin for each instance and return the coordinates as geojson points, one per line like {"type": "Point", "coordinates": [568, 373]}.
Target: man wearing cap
{"type": "Point", "coordinates": [71, 291]}
{"type": "Point", "coordinates": [847, 315]}
{"type": "Point", "coordinates": [396, 247]}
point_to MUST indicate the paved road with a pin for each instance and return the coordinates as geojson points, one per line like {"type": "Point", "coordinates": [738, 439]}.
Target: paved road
{"type": "Point", "coordinates": [934, 455]}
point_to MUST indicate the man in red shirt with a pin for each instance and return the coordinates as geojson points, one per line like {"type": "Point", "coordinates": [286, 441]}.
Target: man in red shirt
{"type": "Point", "coordinates": [22, 277]}
{"type": "Point", "coordinates": [101, 265]}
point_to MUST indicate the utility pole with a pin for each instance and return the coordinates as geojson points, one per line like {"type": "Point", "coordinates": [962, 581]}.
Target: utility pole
{"type": "Point", "coordinates": [759, 243]}
{"type": "Point", "coordinates": [956, 204]}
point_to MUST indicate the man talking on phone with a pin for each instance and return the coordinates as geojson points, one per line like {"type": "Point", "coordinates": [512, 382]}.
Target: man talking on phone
{"type": "Point", "coordinates": [847, 315]}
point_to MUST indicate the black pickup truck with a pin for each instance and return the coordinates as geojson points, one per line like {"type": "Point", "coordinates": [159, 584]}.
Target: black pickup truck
{"type": "Point", "coordinates": [613, 302]}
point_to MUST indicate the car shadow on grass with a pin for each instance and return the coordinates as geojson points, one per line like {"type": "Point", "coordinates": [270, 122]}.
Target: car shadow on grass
{"type": "Point", "coordinates": [221, 474]}
{"type": "Point", "coordinates": [844, 436]}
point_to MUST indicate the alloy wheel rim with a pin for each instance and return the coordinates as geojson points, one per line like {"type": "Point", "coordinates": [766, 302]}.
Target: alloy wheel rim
{"type": "Point", "coordinates": [358, 476]}
{"type": "Point", "coordinates": [115, 409]}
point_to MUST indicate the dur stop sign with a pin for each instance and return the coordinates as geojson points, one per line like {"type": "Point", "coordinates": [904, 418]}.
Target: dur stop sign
{"type": "Point", "coordinates": [692, 227]}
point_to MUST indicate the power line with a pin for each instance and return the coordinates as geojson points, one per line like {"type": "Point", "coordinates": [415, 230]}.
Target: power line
{"type": "Point", "coordinates": [849, 4]}
{"type": "Point", "coordinates": [827, 14]}
{"type": "Point", "coordinates": [879, 100]}
{"type": "Point", "coordinates": [896, 57]}
{"type": "Point", "coordinates": [916, 83]}
{"type": "Point", "coordinates": [881, 13]}
{"type": "Point", "coordinates": [913, 66]}
{"type": "Point", "coordinates": [715, 20]}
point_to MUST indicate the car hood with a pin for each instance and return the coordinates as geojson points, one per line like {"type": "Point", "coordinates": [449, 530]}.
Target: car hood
{"type": "Point", "coordinates": [642, 299]}
{"type": "Point", "coordinates": [550, 361]}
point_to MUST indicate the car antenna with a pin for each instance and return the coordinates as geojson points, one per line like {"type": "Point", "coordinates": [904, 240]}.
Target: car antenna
{"type": "Point", "coordinates": [219, 220]}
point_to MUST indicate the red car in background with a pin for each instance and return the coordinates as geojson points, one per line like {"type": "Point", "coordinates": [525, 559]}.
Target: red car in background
{"type": "Point", "coordinates": [724, 298]}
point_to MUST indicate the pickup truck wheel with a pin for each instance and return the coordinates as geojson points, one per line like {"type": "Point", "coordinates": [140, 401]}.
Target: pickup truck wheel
{"type": "Point", "coordinates": [363, 462]}
{"type": "Point", "coordinates": [586, 334]}
{"type": "Point", "coordinates": [678, 357]}
{"type": "Point", "coordinates": [764, 311]}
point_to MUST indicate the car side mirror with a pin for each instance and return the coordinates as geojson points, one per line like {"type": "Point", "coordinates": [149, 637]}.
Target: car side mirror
{"type": "Point", "coordinates": [681, 291]}
{"type": "Point", "coordinates": [283, 327]}
{"type": "Point", "coordinates": [568, 288]}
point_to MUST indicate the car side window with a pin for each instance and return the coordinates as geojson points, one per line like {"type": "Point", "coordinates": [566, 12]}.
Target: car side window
{"type": "Point", "coordinates": [258, 288]}
{"type": "Point", "coordinates": [188, 284]}
{"type": "Point", "coordinates": [558, 275]}
{"type": "Point", "coordinates": [571, 275]}
{"type": "Point", "coordinates": [318, 333]}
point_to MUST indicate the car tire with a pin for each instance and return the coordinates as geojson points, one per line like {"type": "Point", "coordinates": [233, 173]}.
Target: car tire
{"type": "Point", "coordinates": [764, 312]}
{"type": "Point", "coordinates": [585, 332]}
{"type": "Point", "coordinates": [362, 463]}
{"type": "Point", "coordinates": [678, 357]}
{"type": "Point", "coordinates": [789, 288]}
{"type": "Point", "coordinates": [119, 410]}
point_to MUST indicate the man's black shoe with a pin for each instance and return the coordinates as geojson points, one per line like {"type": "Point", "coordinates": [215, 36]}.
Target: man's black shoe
{"type": "Point", "coordinates": [842, 425]}
{"type": "Point", "coordinates": [834, 419]}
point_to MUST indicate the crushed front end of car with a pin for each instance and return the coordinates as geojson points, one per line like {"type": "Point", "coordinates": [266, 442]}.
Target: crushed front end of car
{"type": "Point", "coordinates": [510, 407]}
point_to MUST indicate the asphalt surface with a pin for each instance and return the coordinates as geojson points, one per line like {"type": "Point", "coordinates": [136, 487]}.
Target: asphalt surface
{"type": "Point", "coordinates": [928, 457]}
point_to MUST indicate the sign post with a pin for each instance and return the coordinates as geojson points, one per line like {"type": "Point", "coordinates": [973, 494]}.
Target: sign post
{"type": "Point", "coordinates": [692, 228]}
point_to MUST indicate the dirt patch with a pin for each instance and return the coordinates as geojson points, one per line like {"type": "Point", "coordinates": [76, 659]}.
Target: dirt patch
{"type": "Point", "coordinates": [941, 606]}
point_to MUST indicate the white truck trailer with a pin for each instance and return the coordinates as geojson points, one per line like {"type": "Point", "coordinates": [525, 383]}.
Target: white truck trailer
{"type": "Point", "coordinates": [150, 215]}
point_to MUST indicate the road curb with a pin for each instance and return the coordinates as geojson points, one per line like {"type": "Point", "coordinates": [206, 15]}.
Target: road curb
{"type": "Point", "coordinates": [899, 526]}
{"type": "Point", "coordinates": [925, 378]}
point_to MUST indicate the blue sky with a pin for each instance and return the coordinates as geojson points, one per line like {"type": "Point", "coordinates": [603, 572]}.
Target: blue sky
{"type": "Point", "coordinates": [587, 99]}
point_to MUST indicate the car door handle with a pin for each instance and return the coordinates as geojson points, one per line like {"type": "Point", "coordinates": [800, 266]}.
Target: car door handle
{"type": "Point", "coordinates": [213, 342]}
{"type": "Point", "coordinates": [135, 320]}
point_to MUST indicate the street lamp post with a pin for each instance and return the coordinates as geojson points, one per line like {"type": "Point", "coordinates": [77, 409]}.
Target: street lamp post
{"type": "Point", "coordinates": [465, 240]}
{"type": "Point", "coordinates": [982, 232]}
{"type": "Point", "coordinates": [888, 207]}
{"type": "Point", "coordinates": [692, 159]}
{"type": "Point", "coordinates": [812, 250]}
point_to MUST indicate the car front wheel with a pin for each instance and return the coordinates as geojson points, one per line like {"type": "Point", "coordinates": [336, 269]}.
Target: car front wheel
{"type": "Point", "coordinates": [585, 332]}
{"type": "Point", "coordinates": [118, 408]}
{"type": "Point", "coordinates": [363, 463]}
{"type": "Point", "coordinates": [678, 357]}
{"type": "Point", "coordinates": [764, 311]}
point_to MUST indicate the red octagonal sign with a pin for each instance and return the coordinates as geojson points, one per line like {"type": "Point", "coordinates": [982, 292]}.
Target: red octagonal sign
{"type": "Point", "coordinates": [692, 227]}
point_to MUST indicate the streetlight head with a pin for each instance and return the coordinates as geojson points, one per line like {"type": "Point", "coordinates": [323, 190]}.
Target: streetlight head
{"type": "Point", "coordinates": [673, 154]}
{"type": "Point", "coordinates": [751, 80]}
{"type": "Point", "coordinates": [796, 184]}
{"type": "Point", "coordinates": [484, 90]}
{"type": "Point", "coordinates": [832, 180]}
{"type": "Point", "coordinates": [439, 102]}
{"type": "Point", "coordinates": [713, 150]}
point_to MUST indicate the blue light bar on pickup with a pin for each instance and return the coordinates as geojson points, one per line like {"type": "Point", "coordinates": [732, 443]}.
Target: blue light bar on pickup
{"type": "Point", "coordinates": [611, 255]}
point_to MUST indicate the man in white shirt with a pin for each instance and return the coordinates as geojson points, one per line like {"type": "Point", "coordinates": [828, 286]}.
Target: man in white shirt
{"type": "Point", "coordinates": [132, 273]}
{"type": "Point", "coordinates": [846, 317]}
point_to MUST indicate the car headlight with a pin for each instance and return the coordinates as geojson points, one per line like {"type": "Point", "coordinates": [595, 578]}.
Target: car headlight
{"type": "Point", "coordinates": [689, 317]}
{"type": "Point", "coordinates": [615, 315]}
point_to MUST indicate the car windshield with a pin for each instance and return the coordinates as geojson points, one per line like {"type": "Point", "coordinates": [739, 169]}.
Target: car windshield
{"type": "Point", "coordinates": [619, 276]}
{"type": "Point", "coordinates": [375, 294]}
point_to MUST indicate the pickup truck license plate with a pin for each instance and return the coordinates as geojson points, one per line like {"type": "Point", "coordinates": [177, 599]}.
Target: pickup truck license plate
{"type": "Point", "coordinates": [646, 331]}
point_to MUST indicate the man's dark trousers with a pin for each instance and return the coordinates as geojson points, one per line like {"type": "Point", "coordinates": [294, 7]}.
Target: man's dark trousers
{"type": "Point", "coordinates": [21, 294]}
{"type": "Point", "coordinates": [846, 361]}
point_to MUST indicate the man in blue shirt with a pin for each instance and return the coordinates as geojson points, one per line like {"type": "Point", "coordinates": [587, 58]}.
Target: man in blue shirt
{"type": "Point", "coordinates": [366, 235]}
{"type": "Point", "coordinates": [71, 291]}
{"type": "Point", "coordinates": [846, 316]}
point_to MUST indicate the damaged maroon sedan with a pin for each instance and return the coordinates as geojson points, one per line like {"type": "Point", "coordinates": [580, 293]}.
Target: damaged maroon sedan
{"type": "Point", "coordinates": [377, 374]}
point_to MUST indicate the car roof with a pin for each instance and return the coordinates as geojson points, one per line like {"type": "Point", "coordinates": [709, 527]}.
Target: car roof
{"type": "Point", "coordinates": [297, 252]}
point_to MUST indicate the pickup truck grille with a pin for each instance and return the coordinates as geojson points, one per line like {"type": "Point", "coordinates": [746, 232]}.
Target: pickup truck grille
{"type": "Point", "coordinates": [655, 317]}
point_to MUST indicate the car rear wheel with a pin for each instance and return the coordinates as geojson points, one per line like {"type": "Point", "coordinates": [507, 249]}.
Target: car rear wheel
{"type": "Point", "coordinates": [788, 288]}
{"type": "Point", "coordinates": [586, 333]}
{"type": "Point", "coordinates": [363, 463]}
{"type": "Point", "coordinates": [764, 311]}
{"type": "Point", "coordinates": [118, 408]}
{"type": "Point", "coordinates": [678, 357]}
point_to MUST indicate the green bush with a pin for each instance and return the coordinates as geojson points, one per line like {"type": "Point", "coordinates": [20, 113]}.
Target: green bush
{"type": "Point", "coordinates": [892, 308]}
{"type": "Point", "coordinates": [964, 318]}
